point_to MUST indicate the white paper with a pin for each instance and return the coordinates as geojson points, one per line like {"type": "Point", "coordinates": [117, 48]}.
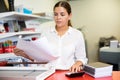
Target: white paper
{"type": "Point", "coordinates": [39, 50]}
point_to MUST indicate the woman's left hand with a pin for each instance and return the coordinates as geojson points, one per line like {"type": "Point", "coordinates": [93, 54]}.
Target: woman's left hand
{"type": "Point", "coordinates": [76, 67]}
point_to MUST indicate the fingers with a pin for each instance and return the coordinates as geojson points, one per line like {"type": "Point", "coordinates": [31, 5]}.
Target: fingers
{"type": "Point", "coordinates": [79, 68]}
{"type": "Point", "coordinates": [20, 52]}
{"type": "Point", "coordinates": [30, 58]}
{"type": "Point", "coordinates": [75, 69]}
{"type": "Point", "coordinates": [17, 51]}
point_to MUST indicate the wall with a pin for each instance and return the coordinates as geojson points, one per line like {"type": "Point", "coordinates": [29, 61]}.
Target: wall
{"type": "Point", "coordinates": [97, 18]}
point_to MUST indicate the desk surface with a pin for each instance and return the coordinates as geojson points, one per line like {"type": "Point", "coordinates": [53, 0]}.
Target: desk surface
{"type": "Point", "coordinates": [60, 75]}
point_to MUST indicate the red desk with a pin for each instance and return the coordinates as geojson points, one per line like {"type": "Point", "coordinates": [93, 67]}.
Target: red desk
{"type": "Point", "coordinates": [60, 75]}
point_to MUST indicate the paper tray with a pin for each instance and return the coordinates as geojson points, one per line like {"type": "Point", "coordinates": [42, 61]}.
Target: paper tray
{"type": "Point", "coordinates": [24, 73]}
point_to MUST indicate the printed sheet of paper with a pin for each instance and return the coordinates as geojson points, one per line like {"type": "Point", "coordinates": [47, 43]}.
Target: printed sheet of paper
{"type": "Point", "coordinates": [39, 50]}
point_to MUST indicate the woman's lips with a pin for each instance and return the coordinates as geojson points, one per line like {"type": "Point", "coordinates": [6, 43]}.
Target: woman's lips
{"type": "Point", "coordinates": [59, 22]}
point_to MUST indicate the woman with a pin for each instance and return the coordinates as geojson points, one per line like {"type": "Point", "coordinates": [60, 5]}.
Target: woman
{"type": "Point", "coordinates": [67, 42]}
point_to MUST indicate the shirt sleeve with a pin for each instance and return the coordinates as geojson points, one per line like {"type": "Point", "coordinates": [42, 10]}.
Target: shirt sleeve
{"type": "Point", "coordinates": [80, 50]}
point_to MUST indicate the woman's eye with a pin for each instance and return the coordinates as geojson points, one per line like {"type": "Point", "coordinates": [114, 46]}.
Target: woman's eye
{"type": "Point", "coordinates": [55, 14]}
{"type": "Point", "coordinates": [62, 14]}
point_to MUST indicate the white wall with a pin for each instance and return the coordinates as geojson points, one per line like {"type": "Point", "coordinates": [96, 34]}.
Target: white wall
{"type": "Point", "coordinates": [99, 18]}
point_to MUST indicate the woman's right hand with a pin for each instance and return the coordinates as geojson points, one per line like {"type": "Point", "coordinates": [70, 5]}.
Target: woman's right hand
{"type": "Point", "coordinates": [20, 52]}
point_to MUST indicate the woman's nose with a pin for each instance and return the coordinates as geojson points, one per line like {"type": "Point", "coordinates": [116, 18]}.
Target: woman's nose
{"type": "Point", "coordinates": [59, 16]}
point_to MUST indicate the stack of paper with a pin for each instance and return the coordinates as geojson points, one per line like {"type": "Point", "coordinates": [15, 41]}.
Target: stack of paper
{"type": "Point", "coordinates": [98, 69]}
{"type": "Point", "coordinates": [114, 43]}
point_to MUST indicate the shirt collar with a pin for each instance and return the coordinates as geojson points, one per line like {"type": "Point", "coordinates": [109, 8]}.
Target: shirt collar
{"type": "Point", "coordinates": [54, 30]}
{"type": "Point", "coordinates": [69, 30]}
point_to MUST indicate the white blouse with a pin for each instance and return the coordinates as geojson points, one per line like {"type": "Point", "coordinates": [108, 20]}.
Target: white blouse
{"type": "Point", "coordinates": [69, 48]}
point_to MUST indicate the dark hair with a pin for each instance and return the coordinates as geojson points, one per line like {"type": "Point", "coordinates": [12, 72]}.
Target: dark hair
{"type": "Point", "coordinates": [67, 6]}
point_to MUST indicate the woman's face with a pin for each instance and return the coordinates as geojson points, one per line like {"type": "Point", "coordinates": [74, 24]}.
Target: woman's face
{"type": "Point", "coordinates": [61, 17]}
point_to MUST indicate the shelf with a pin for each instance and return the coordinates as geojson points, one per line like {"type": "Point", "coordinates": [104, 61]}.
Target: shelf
{"type": "Point", "coordinates": [6, 16]}
{"type": "Point", "coordinates": [6, 35]}
{"type": "Point", "coordinates": [21, 16]}
{"type": "Point", "coordinates": [26, 32]}
{"type": "Point", "coordinates": [17, 16]}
